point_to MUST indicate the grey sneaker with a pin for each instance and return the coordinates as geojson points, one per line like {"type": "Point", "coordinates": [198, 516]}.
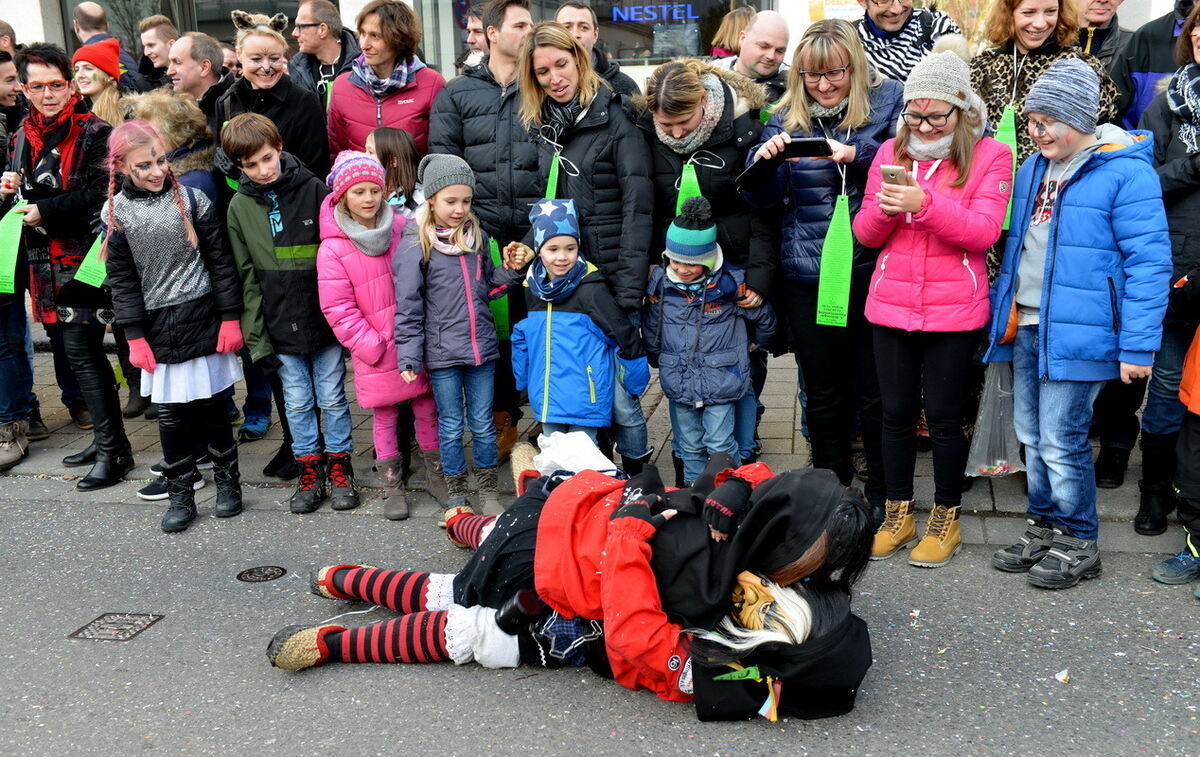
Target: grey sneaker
{"type": "Point", "coordinates": [1027, 552]}
{"type": "Point", "coordinates": [1068, 560]}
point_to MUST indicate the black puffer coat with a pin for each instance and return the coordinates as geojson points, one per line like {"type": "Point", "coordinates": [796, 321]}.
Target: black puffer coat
{"type": "Point", "coordinates": [606, 170]}
{"type": "Point", "coordinates": [297, 112]}
{"type": "Point", "coordinates": [476, 119]}
{"type": "Point", "coordinates": [746, 236]}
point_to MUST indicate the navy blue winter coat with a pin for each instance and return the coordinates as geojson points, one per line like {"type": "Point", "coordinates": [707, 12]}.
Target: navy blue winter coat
{"type": "Point", "coordinates": [808, 188]}
{"type": "Point", "coordinates": [700, 344]}
{"type": "Point", "coordinates": [1108, 266]}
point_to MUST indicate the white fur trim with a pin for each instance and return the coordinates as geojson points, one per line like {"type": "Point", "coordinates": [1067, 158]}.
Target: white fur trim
{"type": "Point", "coordinates": [472, 634]}
{"type": "Point", "coordinates": [439, 594]}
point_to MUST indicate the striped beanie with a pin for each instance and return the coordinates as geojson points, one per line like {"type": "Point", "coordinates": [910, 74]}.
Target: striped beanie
{"type": "Point", "coordinates": [692, 236]}
{"type": "Point", "coordinates": [350, 168]}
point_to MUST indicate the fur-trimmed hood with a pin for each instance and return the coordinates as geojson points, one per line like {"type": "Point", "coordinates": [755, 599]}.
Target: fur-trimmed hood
{"type": "Point", "coordinates": [195, 157]}
{"type": "Point", "coordinates": [747, 94]}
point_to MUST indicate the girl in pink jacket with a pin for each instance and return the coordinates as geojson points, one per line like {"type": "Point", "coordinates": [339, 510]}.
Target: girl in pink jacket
{"type": "Point", "coordinates": [928, 300]}
{"type": "Point", "coordinates": [359, 233]}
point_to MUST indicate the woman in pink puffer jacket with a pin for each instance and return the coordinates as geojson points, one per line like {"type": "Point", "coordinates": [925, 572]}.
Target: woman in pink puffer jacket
{"type": "Point", "coordinates": [929, 294]}
{"type": "Point", "coordinates": [359, 233]}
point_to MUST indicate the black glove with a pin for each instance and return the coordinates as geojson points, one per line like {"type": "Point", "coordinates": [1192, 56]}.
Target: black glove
{"type": "Point", "coordinates": [269, 365]}
{"type": "Point", "coordinates": [642, 495]}
{"type": "Point", "coordinates": [727, 505]}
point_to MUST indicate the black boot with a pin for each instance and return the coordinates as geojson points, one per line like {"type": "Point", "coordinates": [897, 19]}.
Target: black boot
{"type": "Point", "coordinates": [182, 509]}
{"type": "Point", "coordinates": [108, 471]}
{"type": "Point", "coordinates": [1158, 493]}
{"type": "Point", "coordinates": [136, 404]}
{"type": "Point", "coordinates": [310, 492]}
{"type": "Point", "coordinates": [677, 461]}
{"type": "Point", "coordinates": [342, 493]}
{"type": "Point", "coordinates": [86, 457]}
{"type": "Point", "coordinates": [635, 465]}
{"type": "Point", "coordinates": [228, 479]}
{"type": "Point", "coordinates": [1110, 467]}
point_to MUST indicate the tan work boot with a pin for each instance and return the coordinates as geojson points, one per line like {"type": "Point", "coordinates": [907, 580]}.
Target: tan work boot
{"type": "Point", "coordinates": [899, 529]}
{"type": "Point", "coordinates": [942, 539]}
{"type": "Point", "coordinates": [14, 445]}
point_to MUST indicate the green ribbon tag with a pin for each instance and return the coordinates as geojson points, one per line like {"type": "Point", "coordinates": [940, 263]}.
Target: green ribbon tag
{"type": "Point", "coordinates": [1006, 133]}
{"type": "Point", "coordinates": [750, 673]}
{"type": "Point", "coordinates": [92, 270]}
{"type": "Point", "coordinates": [689, 187]}
{"type": "Point", "coordinates": [499, 306]}
{"type": "Point", "coordinates": [837, 260]}
{"type": "Point", "coordinates": [552, 181]}
{"type": "Point", "coordinates": [10, 243]}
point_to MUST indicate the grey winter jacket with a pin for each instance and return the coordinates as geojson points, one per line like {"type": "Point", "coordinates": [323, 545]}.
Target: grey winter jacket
{"type": "Point", "coordinates": [303, 67]}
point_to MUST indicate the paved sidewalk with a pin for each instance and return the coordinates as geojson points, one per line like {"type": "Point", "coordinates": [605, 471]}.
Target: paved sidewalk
{"type": "Point", "coordinates": [991, 509]}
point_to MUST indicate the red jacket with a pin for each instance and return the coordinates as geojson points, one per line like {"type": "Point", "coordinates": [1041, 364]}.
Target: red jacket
{"type": "Point", "coordinates": [354, 112]}
{"type": "Point", "coordinates": [589, 566]}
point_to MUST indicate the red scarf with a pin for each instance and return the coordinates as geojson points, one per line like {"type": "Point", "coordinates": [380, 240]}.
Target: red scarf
{"type": "Point", "coordinates": [37, 127]}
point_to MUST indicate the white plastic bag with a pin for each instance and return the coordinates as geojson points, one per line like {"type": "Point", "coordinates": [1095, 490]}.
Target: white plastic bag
{"type": "Point", "coordinates": [995, 451]}
{"type": "Point", "coordinates": [572, 452]}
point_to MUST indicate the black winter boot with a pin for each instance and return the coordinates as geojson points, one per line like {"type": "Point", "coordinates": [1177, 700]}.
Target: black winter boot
{"type": "Point", "coordinates": [310, 490]}
{"type": "Point", "coordinates": [1158, 492]}
{"type": "Point", "coordinates": [342, 494]}
{"type": "Point", "coordinates": [182, 509]}
{"type": "Point", "coordinates": [635, 465]}
{"type": "Point", "coordinates": [677, 461]}
{"type": "Point", "coordinates": [228, 478]}
{"type": "Point", "coordinates": [1110, 467]}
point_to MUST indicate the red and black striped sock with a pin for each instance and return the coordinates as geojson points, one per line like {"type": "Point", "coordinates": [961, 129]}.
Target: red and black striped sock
{"type": "Point", "coordinates": [399, 590]}
{"type": "Point", "coordinates": [468, 529]}
{"type": "Point", "coordinates": [416, 637]}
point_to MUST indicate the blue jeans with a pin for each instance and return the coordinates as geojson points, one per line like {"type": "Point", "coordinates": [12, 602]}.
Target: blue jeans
{"type": "Point", "coordinates": [258, 388]}
{"type": "Point", "coordinates": [566, 428]}
{"type": "Point", "coordinates": [317, 379]}
{"type": "Point", "coordinates": [700, 432]}
{"type": "Point", "coordinates": [469, 386]}
{"type": "Point", "coordinates": [16, 375]}
{"type": "Point", "coordinates": [629, 425]}
{"type": "Point", "coordinates": [1051, 420]}
{"type": "Point", "coordinates": [1164, 412]}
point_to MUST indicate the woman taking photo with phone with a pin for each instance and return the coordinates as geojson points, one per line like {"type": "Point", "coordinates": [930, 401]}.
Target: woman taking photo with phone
{"type": "Point", "coordinates": [936, 198]}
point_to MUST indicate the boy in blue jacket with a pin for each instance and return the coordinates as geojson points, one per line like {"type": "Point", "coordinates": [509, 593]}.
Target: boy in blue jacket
{"type": "Point", "coordinates": [1079, 300]}
{"type": "Point", "coordinates": [576, 345]}
{"type": "Point", "coordinates": [695, 333]}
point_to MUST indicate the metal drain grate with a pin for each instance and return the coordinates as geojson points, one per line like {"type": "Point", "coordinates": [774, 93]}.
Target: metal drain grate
{"type": "Point", "coordinates": [262, 573]}
{"type": "Point", "coordinates": [116, 626]}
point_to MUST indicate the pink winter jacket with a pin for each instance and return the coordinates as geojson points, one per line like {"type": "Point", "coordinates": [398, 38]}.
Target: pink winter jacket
{"type": "Point", "coordinates": [354, 112]}
{"type": "Point", "coordinates": [932, 271]}
{"type": "Point", "coordinates": [359, 301]}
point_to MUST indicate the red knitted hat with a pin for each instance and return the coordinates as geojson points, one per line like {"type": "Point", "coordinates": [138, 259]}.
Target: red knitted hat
{"type": "Point", "coordinates": [104, 55]}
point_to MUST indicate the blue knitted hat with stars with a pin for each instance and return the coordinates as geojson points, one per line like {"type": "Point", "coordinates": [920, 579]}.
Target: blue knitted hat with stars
{"type": "Point", "coordinates": [553, 218]}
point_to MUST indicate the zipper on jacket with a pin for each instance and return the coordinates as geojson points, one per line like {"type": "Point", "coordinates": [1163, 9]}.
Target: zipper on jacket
{"type": "Point", "coordinates": [378, 111]}
{"type": "Point", "coordinates": [462, 262]}
{"type": "Point", "coordinates": [591, 386]}
{"type": "Point", "coordinates": [1116, 311]}
{"type": "Point", "coordinates": [882, 268]}
{"type": "Point", "coordinates": [546, 375]}
{"type": "Point", "coordinates": [974, 278]}
{"type": "Point", "coordinates": [1048, 280]}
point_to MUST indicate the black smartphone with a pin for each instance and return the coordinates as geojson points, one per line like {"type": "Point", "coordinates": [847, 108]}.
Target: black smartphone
{"type": "Point", "coordinates": [759, 170]}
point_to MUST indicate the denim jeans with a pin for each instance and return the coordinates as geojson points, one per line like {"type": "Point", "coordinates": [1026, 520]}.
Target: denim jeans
{"type": "Point", "coordinates": [470, 386]}
{"type": "Point", "coordinates": [700, 432]}
{"type": "Point", "coordinates": [317, 379]}
{"type": "Point", "coordinates": [1052, 419]}
{"type": "Point", "coordinates": [629, 424]}
{"type": "Point", "coordinates": [258, 388]}
{"type": "Point", "coordinates": [1164, 412]}
{"type": "Point", "coordinates": [566, 428]}
{"type": "Point", "coordinates": [16, 376]}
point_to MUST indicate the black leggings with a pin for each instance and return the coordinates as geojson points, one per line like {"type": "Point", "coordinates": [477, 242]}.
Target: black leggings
{"type": "Point", "coordinates": [937, 366]}
{"type": "Point", "coordinates": [84, 347]}
{"type": "Point", "coordinates": [184, 428]}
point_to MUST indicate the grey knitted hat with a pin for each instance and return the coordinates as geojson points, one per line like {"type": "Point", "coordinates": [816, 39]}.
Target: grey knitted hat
{"type": "Point", "coordinates": [1068, 92]}
{"type": "Point", "coordinates": [940, 76]}
{"type": "Point", "coordinates": [436, 172]}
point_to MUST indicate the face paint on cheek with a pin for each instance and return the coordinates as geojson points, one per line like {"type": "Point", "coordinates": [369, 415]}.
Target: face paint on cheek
{"type": "Point", "coordinates": [1063, 133]}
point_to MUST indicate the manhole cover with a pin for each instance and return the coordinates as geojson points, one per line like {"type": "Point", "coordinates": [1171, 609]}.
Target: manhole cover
{"type": "Point", "coordinates": [116, 626]}
{"type": "Point", "coordinates": [261, 573]}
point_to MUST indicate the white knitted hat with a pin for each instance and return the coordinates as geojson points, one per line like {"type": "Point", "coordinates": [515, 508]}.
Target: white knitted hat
{"type": "Point", "coordinates": [940, 76]}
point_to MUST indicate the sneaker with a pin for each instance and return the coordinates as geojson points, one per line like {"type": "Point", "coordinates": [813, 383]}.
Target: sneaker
{"type": "Point", "coordinates": [1181, 569]}
{"type": "Point", "coordinates": [1068, 560]}
{"type": "Point", "coordinates": [1027, 552]}
{"type": "Point", "coordinates": [254, 428]}
{"type": "Point", "coordinates": [37, 430]}
{"type": "Point", "coordinates": [157, 489]}
{"type": "Point", "coordinates": [924, 443]}
{"type": "Point", "coordinates": [203, 462]}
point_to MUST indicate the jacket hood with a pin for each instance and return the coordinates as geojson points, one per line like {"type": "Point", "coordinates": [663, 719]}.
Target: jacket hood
{"type": "Point", "coordinates": [746, 95]}
{"type": "Point", "coordinates": [291, 172]}
{"type": "Point", "coordinates": [194, 157]}
{"type": "Point", "coordinates": [1117, 143]}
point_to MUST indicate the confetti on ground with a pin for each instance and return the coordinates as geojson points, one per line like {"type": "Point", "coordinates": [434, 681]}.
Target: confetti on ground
{"type": "Point", "coordinates": [1063, 676]}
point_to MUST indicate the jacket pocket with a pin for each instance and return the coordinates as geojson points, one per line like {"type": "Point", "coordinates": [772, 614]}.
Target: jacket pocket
{"type": "Point", "coordinates": [722, 376]}
{"type": "Point", "coordinates": [1116, 308]}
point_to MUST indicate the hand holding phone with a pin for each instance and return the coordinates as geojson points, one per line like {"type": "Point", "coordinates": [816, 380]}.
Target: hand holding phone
{"type": "Point", "coordinates": [894, 175]}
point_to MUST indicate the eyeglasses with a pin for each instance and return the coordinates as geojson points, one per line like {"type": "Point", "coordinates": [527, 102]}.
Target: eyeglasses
{"type": "Point", "coordinates": [1039, 128]}
{"type": "Point", "coordinates": [304, 26]}
{"type": "Point", "coordinates": [38, 88]}
{"type": "Point", "coordinates": [936, 120]}
{"type": "Point", "coordinates": [833, 75]}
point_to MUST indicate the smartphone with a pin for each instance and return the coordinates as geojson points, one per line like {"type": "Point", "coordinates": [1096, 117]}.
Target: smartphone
{"type": "Point", "coordinates": [894, 175]}
{"type": "Point", "coordinates": [759, 170]}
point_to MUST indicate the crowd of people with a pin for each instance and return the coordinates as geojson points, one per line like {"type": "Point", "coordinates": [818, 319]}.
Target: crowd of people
{"type": "Point", "coordinates": [539, 229]}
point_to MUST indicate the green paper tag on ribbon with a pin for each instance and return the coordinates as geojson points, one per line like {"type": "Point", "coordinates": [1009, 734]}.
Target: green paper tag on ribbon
{"type": "Point", "coordinates": [689, 187]}
{"type": "Point", "coordinates": [1006, 133]}
{"type": "Point", "coordinates": [10, 243]}
{"type": "Point", "coordinates": [552, 181]}
{"type": "Point", "coordinates": [499, 306]}
{"type": "Point", "coordinates": [750, 673]}
{"type": "Point", "coordinates": [837, 260]}
{"type": "Point", "coordinates": [92, 270]}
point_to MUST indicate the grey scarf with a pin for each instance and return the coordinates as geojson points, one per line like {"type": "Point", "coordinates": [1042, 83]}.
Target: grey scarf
{"type": "Point", "coordinates": [713, 110]}
{"type": "Point", "coordinates": [816, 110]}
{"type": "Point", "coordinates": [373, 242]}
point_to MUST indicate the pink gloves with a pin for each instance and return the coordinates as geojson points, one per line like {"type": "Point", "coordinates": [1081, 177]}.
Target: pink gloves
{"type": "Point", "coordinates": [141, 355]}
{"type": "Point", "coordinates": [229, 338]}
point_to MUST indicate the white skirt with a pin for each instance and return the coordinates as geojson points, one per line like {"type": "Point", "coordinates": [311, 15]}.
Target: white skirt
{"type": "Point", "coordinates": [196, 379]}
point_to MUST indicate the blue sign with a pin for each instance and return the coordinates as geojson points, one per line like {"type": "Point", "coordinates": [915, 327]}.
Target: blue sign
{"type": "Point", "coordinates": [650, 14]}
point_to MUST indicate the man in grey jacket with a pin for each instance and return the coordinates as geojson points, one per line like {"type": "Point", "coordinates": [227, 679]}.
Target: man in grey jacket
{"type": "Point", "coordinates": [326, 49]}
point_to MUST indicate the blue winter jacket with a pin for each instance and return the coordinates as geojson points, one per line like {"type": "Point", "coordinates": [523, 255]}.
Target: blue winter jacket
{"type": "Point", "coordinates": [808, 188]}
{"type": "Point", "coordinates": [565, 354]}
{"type": "Point", "coordinates": [700, 344]}
{"type": "Point", "coordinates": [1108, 265]}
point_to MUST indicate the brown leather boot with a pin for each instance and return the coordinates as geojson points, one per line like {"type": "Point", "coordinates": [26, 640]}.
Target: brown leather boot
{"type": "Point", "coordinates": [506, 433]}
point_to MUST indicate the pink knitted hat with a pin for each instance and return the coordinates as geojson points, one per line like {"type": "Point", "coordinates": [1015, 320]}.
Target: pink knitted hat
{"type": "Point", "coordinates": [351, 167]}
